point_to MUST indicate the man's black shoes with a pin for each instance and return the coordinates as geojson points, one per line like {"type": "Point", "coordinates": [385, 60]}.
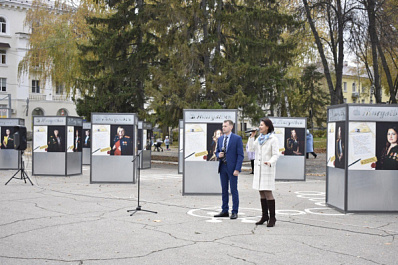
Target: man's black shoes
{"type": "Point", "coordinates": [234, 215]}
{"type": "Point", "coordinates": [222, 214]}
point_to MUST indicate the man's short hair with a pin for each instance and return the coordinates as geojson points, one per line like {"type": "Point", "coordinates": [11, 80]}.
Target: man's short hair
{"type": "Point", "coordinates": [230, 122]}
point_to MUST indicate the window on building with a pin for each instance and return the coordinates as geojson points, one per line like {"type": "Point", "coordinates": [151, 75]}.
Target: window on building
{"type": "Point", "coordinates": [371, 101]}
{"type": "Point", "coordinates": [363, 101]}
{"type": "Point", "coordinates": [363, 89]}
{"type": "Point", "coordinates": [62, 112]}
{"type": "Point", "coordinates": [35, 86]}
{"type": "Point", "coordinates": [354, 100]}
{"type": "Point", "coordinates": [2, 25]}
{"type": "Point", "coordinates": [37, 112]}
{"type": "Point", "coordinates": [3, 84]}
{"type": "Point", "coordinates": [345, 100]}
{"type": "Point", "coordinates": [353, 87]}
{"type": "Point", "coordinates": [3, 57]}
{"type": "Point", "coordinates": [59, 89]}
{"type": "Point", "coordinates": [345, 86]}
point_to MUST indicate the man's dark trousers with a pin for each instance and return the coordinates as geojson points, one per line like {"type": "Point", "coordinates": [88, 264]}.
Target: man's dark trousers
{"type": "Point", "coordinates": [233, 182]}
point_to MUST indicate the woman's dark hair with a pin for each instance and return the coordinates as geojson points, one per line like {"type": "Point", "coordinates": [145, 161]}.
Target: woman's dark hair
{"type": "Point", "coordinates": [391, 128]}
{"type": "Point", "coordinates": [268, 123]}
{"type": "Point", "coordinates": [385, 149]}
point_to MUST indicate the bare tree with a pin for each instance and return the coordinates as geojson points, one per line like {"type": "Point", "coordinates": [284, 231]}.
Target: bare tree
{"type": "Point", "coordinates": [373, 38]}
{"type": "Point", "coordinates": [334, 14]}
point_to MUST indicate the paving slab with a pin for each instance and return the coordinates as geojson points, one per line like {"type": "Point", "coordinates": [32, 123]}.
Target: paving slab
{"type": "Point", "coordinates": [66, 220]}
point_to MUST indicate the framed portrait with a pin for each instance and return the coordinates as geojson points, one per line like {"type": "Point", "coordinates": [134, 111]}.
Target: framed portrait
{"type": "Point", "coordinates": [56, 139]}
{"type": "Point", "coordinates": [294, 141]}
{"type": "Point", "coordinates": [7, 137]}
{"type": "Point", "coordinates": [340, 145]}
{"type": "Point", "coordinates": [214, 131]}
{"type": "Point", "coordinates": [86, 140]}
{"type": "Point", "coordinates": [121, 140]}
{"type": "Point", "coordinates": [387, 146]}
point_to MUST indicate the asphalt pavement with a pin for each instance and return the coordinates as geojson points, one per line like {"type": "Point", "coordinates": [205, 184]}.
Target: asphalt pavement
{"type": "Point", "coordinates": [67, 220]}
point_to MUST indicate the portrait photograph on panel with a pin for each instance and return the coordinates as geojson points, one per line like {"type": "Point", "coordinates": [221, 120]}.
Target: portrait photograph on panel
{"type": "Point", "coordinates": [294, 141]}
{"type": "Point", "coordinates": [139, 140]}
{"type": "Point", "coordinates": [56, 139]}
{"type": "Point", "coordinates": [7, 138]}
{"type": "Point", "coordinates": [86, 140]}
{"type": "Point", "coordinates": [214, 131]}
{"type": "Point", "coordinates": [362, 145]}
{"type": "Point", "coordinates": [77, 139]}
{"type": "Point", "coordinates": [340, 145]}
{"type": "Point", "coordinates": [386, 145]}
{"type": "Point", "coordinates": [122, 140]}
{"type": "Point", "coordinates": [196, 142]}
{"type": "Point", "coordinates": [331, 144]}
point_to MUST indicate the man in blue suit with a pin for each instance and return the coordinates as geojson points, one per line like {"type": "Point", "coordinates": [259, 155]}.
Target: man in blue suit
{"type": "Point", "coordinates": [230, 154]}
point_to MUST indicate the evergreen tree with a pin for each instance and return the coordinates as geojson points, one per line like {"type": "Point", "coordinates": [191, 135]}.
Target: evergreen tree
{"type": "Point", "coordinates": [116, 60]}
{"type": "Point", "coordinates": [309, 97]}
{"type": "Point", "coordinates": [221, 54]}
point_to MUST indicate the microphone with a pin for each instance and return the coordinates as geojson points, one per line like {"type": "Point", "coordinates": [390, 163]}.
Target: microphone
{"type": "Point", "coordinates": [224, 158]}
{"type": "Point", "coordinates": [251, 130]}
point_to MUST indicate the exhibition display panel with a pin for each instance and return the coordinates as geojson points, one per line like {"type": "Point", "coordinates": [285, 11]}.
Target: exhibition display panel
{"type": "Point", "coordinates": [291, 134]}
{"type": "Point", "coordinates": [180, 146]}
{"type": "Point", "coordinates": [9, 157]}
{"type": "Point", "coordinates": [362, 158]}
{"type": "Point", "coordinates": [201, 130]}
{"type": "Point", "coordinates": [144, 143]}
{"type": "Point", "coordinates": [57, 145]}
{"type": "Point", "coordinates": [114, 147]}
{"type": "Point", "coordinates": [86, 140]}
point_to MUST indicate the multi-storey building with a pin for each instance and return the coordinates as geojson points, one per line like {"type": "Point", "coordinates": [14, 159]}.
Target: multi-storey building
{"type": "Point", "coordinates": [29, 97]}
{"type": "Point", "coordinates": [357, 87]}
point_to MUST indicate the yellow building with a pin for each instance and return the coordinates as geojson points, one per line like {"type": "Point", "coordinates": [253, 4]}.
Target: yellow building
{"type": "Point", "coordinates": [357, 87]}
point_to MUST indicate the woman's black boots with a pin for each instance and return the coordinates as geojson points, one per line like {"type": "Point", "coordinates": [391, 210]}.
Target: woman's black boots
{"type": "Point", "coordinates": [264, 208]}
{"type": "Point", "coordinates": [272, 219]}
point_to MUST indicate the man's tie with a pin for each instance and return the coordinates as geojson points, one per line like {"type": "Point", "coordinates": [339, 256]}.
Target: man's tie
{"type": "Point", "coordinates": [225, 143]}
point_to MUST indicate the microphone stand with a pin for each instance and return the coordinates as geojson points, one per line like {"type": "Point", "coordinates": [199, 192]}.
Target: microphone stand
{"type": "Point", "coordinates": [24, 175]}
{"type": "Point", "coordinates": [139, 208]}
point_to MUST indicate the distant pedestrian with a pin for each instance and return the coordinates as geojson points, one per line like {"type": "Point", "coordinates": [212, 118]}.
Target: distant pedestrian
{"type": "Point", "coordinates": [167, 142]}
{"type": "Point", "coordinates": [158, 145]}
{"type": "Point", "coordinates": [310, 145]}
{"type": "Point", "coordinates": [251, 156]}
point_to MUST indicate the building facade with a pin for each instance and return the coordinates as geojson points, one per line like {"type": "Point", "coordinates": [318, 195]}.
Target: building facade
{"type": "Point", "coordinates": [29, 97]}
{"type": "Point", "coordinates": [357, 87]}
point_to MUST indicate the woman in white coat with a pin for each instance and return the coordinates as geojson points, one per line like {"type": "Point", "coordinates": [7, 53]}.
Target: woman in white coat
{"type": "Point", "coordinates": [266, 148]}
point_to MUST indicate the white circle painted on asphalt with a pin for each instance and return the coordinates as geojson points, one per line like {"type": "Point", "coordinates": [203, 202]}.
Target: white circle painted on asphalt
{"type": "Point", "coordinates": [310, 193]}
{"type": "Point", "coordinates": [289, 212]}
{"type": "Point", "coordinates": [323, 211]}
{"type": "Point", "coordinates": [247, 215]}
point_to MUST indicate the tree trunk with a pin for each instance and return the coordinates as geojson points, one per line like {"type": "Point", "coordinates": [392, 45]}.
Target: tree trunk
{"type": "Point", "coordinates": [340, 56]}
{"type": "Point", "coordinates": [388, 74]}
{"type": "Point", "coordinates": [334, 99]}
{"type": "Point", "coordinates": [370, 8]}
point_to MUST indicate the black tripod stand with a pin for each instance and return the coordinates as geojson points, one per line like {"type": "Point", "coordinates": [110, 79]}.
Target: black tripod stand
{"type": "Point", "coordinates": [24, 175]}
{"type": "Point", "coordinates": [139, 177]}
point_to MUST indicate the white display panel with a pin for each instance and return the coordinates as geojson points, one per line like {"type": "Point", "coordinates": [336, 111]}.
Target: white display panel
{"type": "Point", "coordinates": [70, 139]}
{"type": "Point", "coordinates": [280, 135]}
{"type": "Point", "coordinates": [331, 144]}
{"type": "Point", "coordinates": [101, 135]}
{"type": "Point", "coordinates": [40, 136]}
{"type": "Point", "coordinates": [362, 146]}
{"type": "Point", "coordinates": [195, 142]}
